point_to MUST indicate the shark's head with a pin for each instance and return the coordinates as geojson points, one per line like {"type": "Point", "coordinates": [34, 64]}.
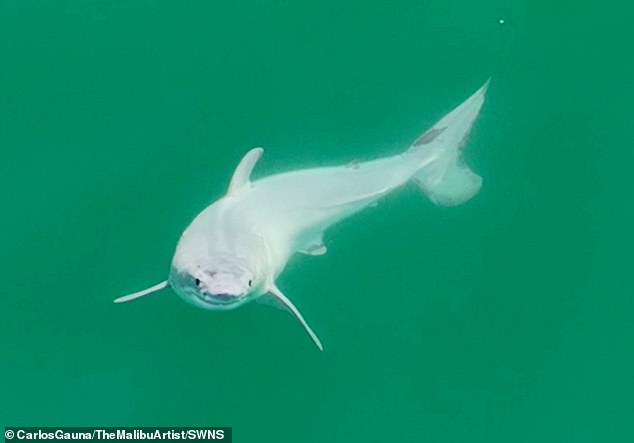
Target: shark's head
{"type": "Point", "coordinates": [217, 283]}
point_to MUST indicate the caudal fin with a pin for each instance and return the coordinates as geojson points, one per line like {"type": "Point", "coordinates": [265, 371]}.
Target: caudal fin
{"type": "Point", "coordinates": [445, 179]}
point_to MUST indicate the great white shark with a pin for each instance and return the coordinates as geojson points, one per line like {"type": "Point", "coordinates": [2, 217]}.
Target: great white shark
{"type": "Point", "coordinates": [234, 250]}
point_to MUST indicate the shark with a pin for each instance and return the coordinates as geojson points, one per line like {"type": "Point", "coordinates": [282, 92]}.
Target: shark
{"type": "Point", "coordinates": [234, 250]}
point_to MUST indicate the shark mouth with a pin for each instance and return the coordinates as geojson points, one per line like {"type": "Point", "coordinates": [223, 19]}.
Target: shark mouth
{"type": "Point", "coordinates": [222, 301]}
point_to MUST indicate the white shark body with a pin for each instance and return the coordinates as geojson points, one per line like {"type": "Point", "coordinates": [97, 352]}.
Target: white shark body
{"type": "Point", "coordinates": [234, 250]}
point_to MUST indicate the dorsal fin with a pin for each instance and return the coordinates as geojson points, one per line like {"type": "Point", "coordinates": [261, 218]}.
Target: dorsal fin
{"type": "Point", "coordinates": [242, 173]}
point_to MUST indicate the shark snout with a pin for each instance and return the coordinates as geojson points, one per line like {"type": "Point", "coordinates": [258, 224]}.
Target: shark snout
{"type": "Point", "coordinates": [224, 286]}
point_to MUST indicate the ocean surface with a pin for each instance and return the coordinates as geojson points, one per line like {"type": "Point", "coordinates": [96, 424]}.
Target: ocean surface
{"type": "Point", "coordinates": [506, 319]}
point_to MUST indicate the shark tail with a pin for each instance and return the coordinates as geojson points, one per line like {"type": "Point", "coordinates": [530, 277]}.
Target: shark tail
{"type": "Point", "coordinates": [444, 177]}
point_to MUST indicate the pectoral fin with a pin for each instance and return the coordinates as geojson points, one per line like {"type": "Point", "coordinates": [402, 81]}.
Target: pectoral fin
{"type": "Point", "coordinates": [142, 293]}
{"type": "Point", "coordinates": [274, 291]}
{"type": "Point", "coordinates": [272, 301]}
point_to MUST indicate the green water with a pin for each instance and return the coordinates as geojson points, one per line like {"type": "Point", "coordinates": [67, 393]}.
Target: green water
{"type": "Point", "coordinates": [508, 319]}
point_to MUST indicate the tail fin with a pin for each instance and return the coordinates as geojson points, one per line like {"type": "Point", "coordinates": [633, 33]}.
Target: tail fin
{"type": "Point", "coordinates": [445, 179]}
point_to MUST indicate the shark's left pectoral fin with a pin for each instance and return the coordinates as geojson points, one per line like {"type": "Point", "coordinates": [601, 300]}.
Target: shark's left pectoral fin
{"type": "Point", "coordinates": [242, 173]}
{"type": "Point", "coordinates": [142, 293]}
{"type": "Point", "coordinates": [275, 292]}
{"type": "Point", "coordinates": [272, 301]}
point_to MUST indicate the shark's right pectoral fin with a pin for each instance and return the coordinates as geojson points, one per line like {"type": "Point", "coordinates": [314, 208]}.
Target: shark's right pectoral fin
{"type": "Point", "coordinates": [283, 300]}
{"type": "Point", "coordinates": [142, 293]}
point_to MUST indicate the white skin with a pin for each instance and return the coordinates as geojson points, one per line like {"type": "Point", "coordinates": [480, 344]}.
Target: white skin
{"type": "Point", "coordinates": [234, 250]}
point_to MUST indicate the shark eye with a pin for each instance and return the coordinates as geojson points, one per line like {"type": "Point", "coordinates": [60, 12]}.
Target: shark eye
{"type": "Point", "coordinates": [197, 282]}
{"type": "Point", "coordinates": [250, 281]}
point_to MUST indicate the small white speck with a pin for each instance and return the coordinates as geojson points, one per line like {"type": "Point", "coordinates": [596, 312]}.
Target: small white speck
{"type": "Point", "coordinates": [501, 21]}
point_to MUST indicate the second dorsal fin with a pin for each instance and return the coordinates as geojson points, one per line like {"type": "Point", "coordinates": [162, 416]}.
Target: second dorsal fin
{"type": "Point", "coordinates": [242, 173]}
